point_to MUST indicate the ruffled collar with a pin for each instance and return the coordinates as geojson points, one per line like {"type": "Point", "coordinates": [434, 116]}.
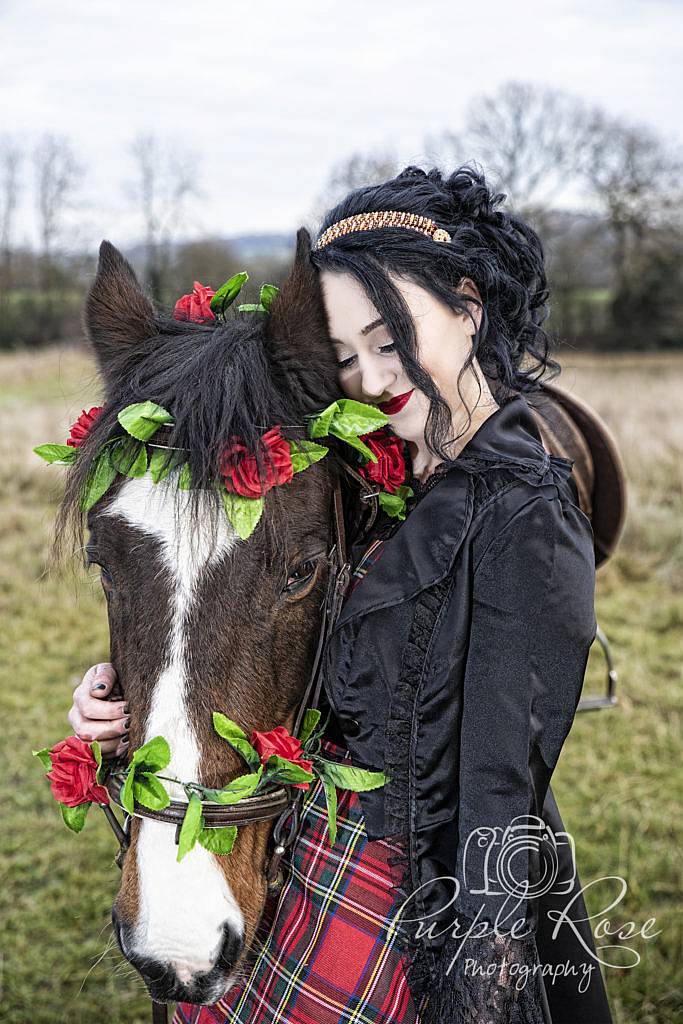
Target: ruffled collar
{"type": "Point", "coordinates": [509, 438]}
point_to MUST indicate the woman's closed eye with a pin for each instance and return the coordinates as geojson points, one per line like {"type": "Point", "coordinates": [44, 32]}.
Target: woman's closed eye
{"type": "Point", "coordinates": [348, 361]}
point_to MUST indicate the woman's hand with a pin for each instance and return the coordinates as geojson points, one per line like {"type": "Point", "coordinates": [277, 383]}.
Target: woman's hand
{"type": "Point", "coordinates": [93, 717]}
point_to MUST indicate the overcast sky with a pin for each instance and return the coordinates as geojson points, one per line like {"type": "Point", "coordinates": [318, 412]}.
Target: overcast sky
{"type": "Point", "coordinates": [269, 95]}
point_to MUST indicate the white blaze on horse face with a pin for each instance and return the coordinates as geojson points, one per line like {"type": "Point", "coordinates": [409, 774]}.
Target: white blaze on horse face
{"type": "Point", "coordinates": [182, 906]}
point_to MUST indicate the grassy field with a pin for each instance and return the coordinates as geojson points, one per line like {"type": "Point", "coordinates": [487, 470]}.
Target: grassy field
{"type": "Point", "coordinates": [617, 783]}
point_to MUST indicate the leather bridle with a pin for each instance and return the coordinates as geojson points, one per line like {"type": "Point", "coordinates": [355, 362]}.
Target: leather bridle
{"type": "Point", "coordinates": [283, 802]}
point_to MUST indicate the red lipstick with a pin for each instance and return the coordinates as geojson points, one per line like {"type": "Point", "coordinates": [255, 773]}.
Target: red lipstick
{"type": "Point", "coordinates": [396, 403]}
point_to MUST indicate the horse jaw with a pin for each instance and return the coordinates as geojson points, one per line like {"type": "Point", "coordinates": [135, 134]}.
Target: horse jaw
{"type": "Point", "coordinates": [183, 907]}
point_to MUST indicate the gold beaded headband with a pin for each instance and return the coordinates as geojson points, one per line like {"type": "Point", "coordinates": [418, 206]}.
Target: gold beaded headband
{"type": "Point", "coordinates": [382, 219]}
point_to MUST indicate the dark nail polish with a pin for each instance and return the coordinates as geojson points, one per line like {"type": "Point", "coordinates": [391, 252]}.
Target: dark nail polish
{"type": "Point", "coordinates": [124, 741]}
{"type": "Point", "coordinates": [126, 709]}
{"type": "Point", "coordinates": [100, 686]}
{"type": "Point", "coordinates": [127, 723]}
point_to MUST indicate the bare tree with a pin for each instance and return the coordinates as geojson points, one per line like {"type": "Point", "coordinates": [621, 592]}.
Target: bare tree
{"type": "Point", "coordinates": [57, 175]}
{"type": "Point", "coordinates": [634, 178]}
{"type": "Point", "coordinates": [526, 138]}
{"type": "Point", "coordinates": [166, 178]}
{"type": "Point", "coordinates": [10, 161]}
{"type": "Point", "coordinates": [354, 172]}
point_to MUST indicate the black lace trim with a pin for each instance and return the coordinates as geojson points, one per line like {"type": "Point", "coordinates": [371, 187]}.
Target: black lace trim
{"type": "Point", "coordinates": [400, 718]}
{"type": "Point", "coordinates": [480, 979]}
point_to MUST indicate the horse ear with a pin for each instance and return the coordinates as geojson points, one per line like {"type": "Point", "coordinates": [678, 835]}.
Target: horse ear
{"type": "Point", "coordinates": [297, 330]}
{"type": "Point", "coordinates": [118, 315]}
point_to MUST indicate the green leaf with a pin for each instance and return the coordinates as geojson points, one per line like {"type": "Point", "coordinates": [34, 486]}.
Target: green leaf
{"type": "Point", "coordinates": [356, 443]}
{"type": "Point", "coordinates": [153, 755]}
{"type": "Point", "coordinates": [279, 769]}
{"type": "Point", "coordinates": [252, 307]}
{"type": "Point", "coordinates": [228, 292]}
{"type": "Point", "coordinates": [331, 801]}
{"type": "Point", "coordinates": [191, 827]}
{"type": "Point", "coordinates": [347, 419]}
{"type": "Point", "coordinates": [143, 419]}
{"type": "Point", "coordinates": [305, 453]}
{"type": "Point", "coordinates": [161, 463]}
{"type": "Point", "coordinates": [358, 780]}
{"type": "Point", "coordinates": [126, 797]}
{"type": "Point", "coordinates": [149, 791]}
{"type": "Point", "coordinates": [267, 294]}
{"type": "Point", "coordinates": [130, 459]}
{"type": "Point", "coordinates": [311, 719]}
{"type": "Point", "coordinates": [74, 817]}
{"type": "Point", "coordinates": [44, 756]}
{"type": "Point", "coordinates": [243, 513]}
{"type": "Point", "coordinates": [61, 454]}
{"type": "Point", "coordinates": [185, 477]}
{"type": "Point", "coordinates": [100, 479]}
{"type": "Point", "coordinates": [97, 754]}
{"type": "Point", "coordinates": [240, 788]}
{"type": "Point", "coordinates": [354, 418]}
{"type": "Point", "coordinates": [218, 840]}
{"type": "Point", "coordinates": [319, 426]}
{"type": "Point", "coordinates": [395, 504]}
{"type": "Point", "coordinates": [237, 739]}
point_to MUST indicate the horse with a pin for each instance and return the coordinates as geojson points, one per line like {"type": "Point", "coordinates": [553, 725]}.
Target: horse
{"type": "Point", "coordinates": [204, 621]}
{"type": "Point", "coordinates": [201, 620]}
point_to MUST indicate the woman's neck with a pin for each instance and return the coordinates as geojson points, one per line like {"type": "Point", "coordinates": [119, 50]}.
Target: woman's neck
{"type": "Point", "coordinates": [425, 462]}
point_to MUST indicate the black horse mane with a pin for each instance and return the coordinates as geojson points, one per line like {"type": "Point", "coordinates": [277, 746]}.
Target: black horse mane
{"type": "Point", "coordinates": [218, 381]}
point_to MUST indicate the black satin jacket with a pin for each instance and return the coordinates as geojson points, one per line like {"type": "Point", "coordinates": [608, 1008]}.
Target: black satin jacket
{"type": "Point", "coordinates": [457, 664]}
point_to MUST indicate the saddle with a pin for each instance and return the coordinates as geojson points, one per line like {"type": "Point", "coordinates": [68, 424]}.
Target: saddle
{"type": "Point", "coordinates": [573, 430]}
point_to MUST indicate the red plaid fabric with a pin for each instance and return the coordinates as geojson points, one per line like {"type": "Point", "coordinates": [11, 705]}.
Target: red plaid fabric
{"type": "Point", "coordinates": [329, 954]}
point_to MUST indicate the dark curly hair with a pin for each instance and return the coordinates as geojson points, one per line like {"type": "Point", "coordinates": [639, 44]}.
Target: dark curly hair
{"type": "Point", "coordinates": [499, 252]}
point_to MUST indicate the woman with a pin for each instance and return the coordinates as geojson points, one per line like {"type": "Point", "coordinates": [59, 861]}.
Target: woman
{"type": "Point", "coordinates": [458, 658]}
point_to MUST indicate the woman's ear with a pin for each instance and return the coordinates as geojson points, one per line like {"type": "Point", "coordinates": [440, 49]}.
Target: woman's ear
{"type": "Point", "coordinates": [466, 286]}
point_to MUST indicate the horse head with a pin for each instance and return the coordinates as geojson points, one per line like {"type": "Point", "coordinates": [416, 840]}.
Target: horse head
{"type": "Point", "coordinates": [201, 620]}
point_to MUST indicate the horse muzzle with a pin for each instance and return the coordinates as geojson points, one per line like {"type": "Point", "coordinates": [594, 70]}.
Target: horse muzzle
{"type": "Point", "coordinates": [170, 980]}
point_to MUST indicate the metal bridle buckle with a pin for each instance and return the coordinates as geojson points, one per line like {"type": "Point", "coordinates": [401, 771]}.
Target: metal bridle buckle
{"type": "Point", "coordinates": [284, 831]}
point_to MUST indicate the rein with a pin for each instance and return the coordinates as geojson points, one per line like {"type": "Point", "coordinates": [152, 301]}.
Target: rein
{"type": "Point", "coordinates": [283, 802]}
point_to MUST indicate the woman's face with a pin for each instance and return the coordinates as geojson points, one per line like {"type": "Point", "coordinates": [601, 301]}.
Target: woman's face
{"type": "Point", "coordinates": [369, 366]}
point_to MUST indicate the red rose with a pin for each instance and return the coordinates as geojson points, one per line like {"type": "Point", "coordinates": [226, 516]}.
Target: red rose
{"type": "Point", "coordinates": [240, 471]}
{"type": "Point", "coordinates": [81, 428]}
{"type": "Point", "coordinates": [390, 469]}
{"type": "Point", "coordinates": [279, 741]}
{"type": "Point", "coordinates": [73, 779]}
{"type": "Point", "coordinates": [196, 306]}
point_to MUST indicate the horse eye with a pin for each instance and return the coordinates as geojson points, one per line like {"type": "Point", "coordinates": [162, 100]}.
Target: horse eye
{"type": "Point", "coordinates": [300, 576]}
{"type": "Point", "coordinates": [107, 580]}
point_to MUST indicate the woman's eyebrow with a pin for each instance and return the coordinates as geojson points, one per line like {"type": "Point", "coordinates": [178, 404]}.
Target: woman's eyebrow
{"type": "Point", "coordinates": [365, 330]}
{"type": "Point", "coordinates": [371, 327]}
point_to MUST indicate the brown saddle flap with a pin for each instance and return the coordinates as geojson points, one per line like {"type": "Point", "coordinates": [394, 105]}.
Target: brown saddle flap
{"type": "Point", "coordinates": [570, 428]}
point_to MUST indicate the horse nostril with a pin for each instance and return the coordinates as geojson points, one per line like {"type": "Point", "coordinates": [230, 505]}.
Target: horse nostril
{"type": "Point", "coordinates": [231, 947]}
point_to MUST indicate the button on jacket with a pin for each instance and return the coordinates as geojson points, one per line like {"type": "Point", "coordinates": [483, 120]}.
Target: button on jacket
{"type": "Point", "coordinates": [456, 667]}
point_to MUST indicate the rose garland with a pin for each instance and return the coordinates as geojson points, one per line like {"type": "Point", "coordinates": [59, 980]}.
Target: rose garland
{"type": "Point", "coordinates": [76, 774]}
{"type": "Point", "coordinates": [243, 483]}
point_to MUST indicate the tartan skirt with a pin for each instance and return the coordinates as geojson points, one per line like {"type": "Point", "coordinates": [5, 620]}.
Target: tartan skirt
{"type": "Point", "coordinates": [326, 952]}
